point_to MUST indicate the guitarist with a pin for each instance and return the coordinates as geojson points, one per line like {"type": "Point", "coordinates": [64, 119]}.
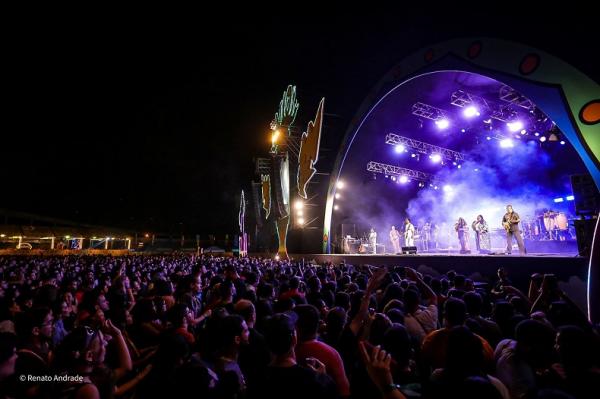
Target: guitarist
{"type": "Point", "coordinates": [510, 221]}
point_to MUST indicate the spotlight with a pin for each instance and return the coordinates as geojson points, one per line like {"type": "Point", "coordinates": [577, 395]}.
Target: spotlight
{"type": "Point", "coordinates": [301, 221]}
{"type": "Point", "coordinates": [462, 130]}
{"type": "Point", "coordinates": [570, 197]}
{"type": "Point", "coordinates": [386, 176]}
{"type": "Point", "coordinates": [337, 195]}
{"type": "Point", "coordinates": [299, 213]}
{"type": "Point", "coordinates": [459, 166]}
{"type": "Point", "coordinates": [536, 134]}
{"type": "Point", "coordinates": [435, 158]}
{"type": "Point", "coordinates": [470, 112]}
{"type": "Point", "coordinates": [276, 257]}
{"type": "Point", "coordinates": [515, 126]}
{"type": "Point", "coordinates": [506, 143]}
{"type": "Point", "coordinates": [523, 131]}
{"type": "Point", "coordinates": [442, 123]}
{"type": "Point", "coordinates": [413, 155]}
{"type": "Point", "coordinates": [393, 178]}
{"type": "Point", "coordinates": [146, 235]}
{"type": "Point", "coordinates": [562, 142]}
{"type": "Point", "coordinates": [447, 188]}
{"type": "Point", "coordinates": [403, 179]}
{"type": "Point", "coordinates": [543, 138]}
{"type": "Point", "coordinates": [335, 207]}
{"type": "Point", "coordinates": [298, 205]}
{"type": "Point", "coordinates": [435, 187]}
{"type": "Point", "coordinates": [454, 163]}
{"type": "Point", "coordinates": [421, 184]}
{"type": "Point", "coordinates": [476, 170]}
{"type": "Point", "coordinates": [559, 199]}
{"type": "Point", "coordinates": [488, 138]}
{"type": "Point", "coordinates": [340, 184]}
{"type": "Point", "coordinates": [399, 149]}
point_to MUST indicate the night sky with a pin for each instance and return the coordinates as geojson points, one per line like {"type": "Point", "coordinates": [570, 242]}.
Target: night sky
{"type": "Point", "coordinates": [152, 124]}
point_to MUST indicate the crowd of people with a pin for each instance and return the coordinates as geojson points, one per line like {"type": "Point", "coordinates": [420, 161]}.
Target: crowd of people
{"type": "Point", "coordinates": [204, 327]}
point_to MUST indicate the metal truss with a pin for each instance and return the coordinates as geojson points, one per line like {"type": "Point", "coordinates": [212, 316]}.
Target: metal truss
{"type": "Point", "coordinates": [428, 111]}
{"type": "Point", "coordinates": [503, 113]}
{"type": "Point", "coordinates": [391, 170]}
{"type": "Point", "coordinates": [509, 95]}
{"type": "Point", "coordinates": [263, 166]}
{"type": "Point", "coordinates": [461, 98]}
{"type": "Point", "coordinates": [423, 148]}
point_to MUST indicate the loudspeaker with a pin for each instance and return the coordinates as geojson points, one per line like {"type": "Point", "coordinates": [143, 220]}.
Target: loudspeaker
{"type": "Point", "coordinates": [409, 250]}
{"type": "Point", "coordinates": [587, 198]}
{"type": "Point", "coordinates": [584, 230]}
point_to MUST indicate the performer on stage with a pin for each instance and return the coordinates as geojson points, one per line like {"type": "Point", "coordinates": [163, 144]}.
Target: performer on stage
{"type": "Point", "coordinates": [426, 236]}
{"type": "Point", "coordinates": [409, 233]}
{"type": "Point", "coordinates": [510, 222]}
{"type": "Point", "coordinates": [395, 239]}
{"type": "Point", "coordinates": [482, 235]}
{"type": "Point", "coordinates": [435, 229]}
{"type": "Point", "coordinates": [463, 235]}
{"type": "Point", "coordinates": [373, 241]}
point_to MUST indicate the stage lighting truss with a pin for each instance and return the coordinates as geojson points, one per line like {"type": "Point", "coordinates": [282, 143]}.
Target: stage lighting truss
{"type": "Point", "coordinates": [509, 95]}
{"type": "Point", "coordinates": [428, 111]}
{"type": "Point", "coordinates": [391, 170]}
{"type": "Point", "coordinates": [500, 112]}
{"type": "Point", "coordinates": [423, 148]}
{"type": "Point", "coordinates": [463, 99]}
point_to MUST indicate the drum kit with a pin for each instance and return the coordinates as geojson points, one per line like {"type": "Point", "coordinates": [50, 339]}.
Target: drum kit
{"type": "Point", "coordinates": [549, 225]}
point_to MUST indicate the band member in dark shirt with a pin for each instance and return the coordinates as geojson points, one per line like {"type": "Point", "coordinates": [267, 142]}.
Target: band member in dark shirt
{"type": "Point", "coordinates": [510, 222]}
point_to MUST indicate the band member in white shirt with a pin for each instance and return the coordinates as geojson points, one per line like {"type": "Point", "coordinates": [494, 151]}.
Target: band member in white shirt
{"type": "Point", "coordinates": [373, 241]}
{"type": "Point", "coordinates": [409, 233]}
{"type": "Point", "coordinates": [395, 239]}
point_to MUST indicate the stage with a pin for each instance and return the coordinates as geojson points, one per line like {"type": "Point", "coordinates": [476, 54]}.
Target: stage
{"type": "Point", "coordinates": [570, 269]}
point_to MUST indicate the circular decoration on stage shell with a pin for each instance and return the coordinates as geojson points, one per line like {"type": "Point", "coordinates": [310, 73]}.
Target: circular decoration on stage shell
{"type": "Point", "coordinates": [529, 64]}
{"type": "Point", "coordinates": [474, 50]}
{"type": "Point", "coordinates": [590, 113]}
{"type": "Point", "coordinates": [429, 55]}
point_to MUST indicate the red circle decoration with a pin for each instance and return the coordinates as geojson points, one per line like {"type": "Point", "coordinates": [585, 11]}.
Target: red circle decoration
{"type": "Point", "coordinates": [529, 64]}
{"type": "Point", "coordinates": [474, 50]}
{"type": "Point", "coordinates": [590, 112]}
{"type": "Point", "coordinates": [429, 55]}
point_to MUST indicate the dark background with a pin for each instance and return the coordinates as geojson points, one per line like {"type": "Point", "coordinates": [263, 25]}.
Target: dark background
{"type": "Point", "coordinates": [152, 122]}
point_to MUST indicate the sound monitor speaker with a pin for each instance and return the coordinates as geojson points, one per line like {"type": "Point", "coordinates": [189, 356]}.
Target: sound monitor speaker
{"type": "Point", "coordinates": [587, 198]}
{"type": "Point", "coordinates": [409, 250]}
{"type": "Point", "coordinates": [584, 230]}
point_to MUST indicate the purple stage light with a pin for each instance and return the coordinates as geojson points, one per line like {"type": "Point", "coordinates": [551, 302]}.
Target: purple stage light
{"type": "Point", "coordinates": [543, 138]}
{"type": "Point", "coordinates": [399, 149]}
{"type": "Point", "coordinates": [413, 155]}
{"type": "Point", "coordinates": [506, 143]}
{"type": "Point", "coordinates": [393, 178]}
{"type": "Point", "coordinates": [563, 142]}
{"type": "Point", "coordinates": [435, 158]}
{"type": "Point", "coordinates": [403, 179]}
{"type": "Point", "coordinates": [442, 123]}
{"type": "Point", "coordinates": [471, 111]}
{"type": "Point", "coordinates": [523, 131]}
{"type": "Point", "coordinates": [515, 126]}
{"type": "Point", "coordinates": [447, 188]}
{"type": "Point", "coordinates": [459, 166]}
{"type": "Point", "coordinates": [463, 130]}
{"type": "Point", "coordinates": [488, 138]}
{"type": "Point", "coordinates": [536, 134]}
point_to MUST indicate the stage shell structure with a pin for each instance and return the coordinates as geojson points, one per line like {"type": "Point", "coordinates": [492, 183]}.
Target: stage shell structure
{"type": "Point", "coordinates": [567, 96]}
